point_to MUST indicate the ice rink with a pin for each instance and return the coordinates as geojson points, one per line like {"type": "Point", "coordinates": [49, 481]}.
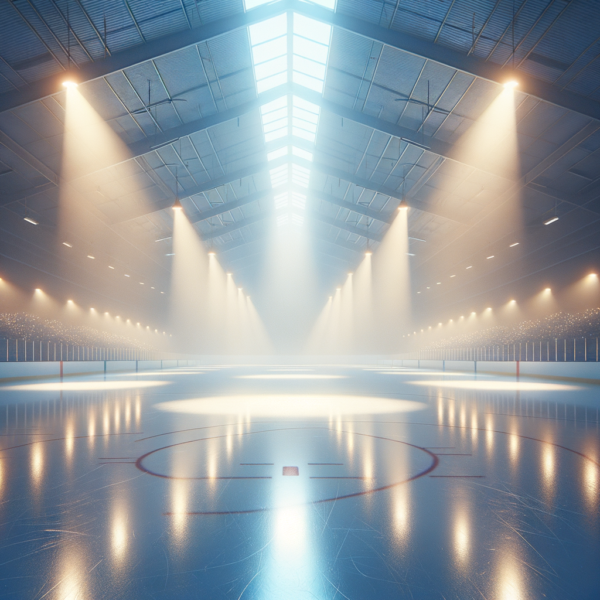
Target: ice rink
{"type": "Point", "coordinates": [299, 482]}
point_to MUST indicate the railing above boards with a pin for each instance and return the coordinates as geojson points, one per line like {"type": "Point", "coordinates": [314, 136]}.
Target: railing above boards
{"type": "Point", "coordinates": [582, 349]}
{"type": "Point", "coordinates": [26, 350]}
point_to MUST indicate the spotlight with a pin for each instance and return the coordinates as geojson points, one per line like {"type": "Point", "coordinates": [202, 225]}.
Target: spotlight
{"type": "Point", "coordinates": [513, 302]}
{"type": "Point", "coordinates": [127, 275]}
{"type": "Point", "coordinates": [67, 244]}
{"type": "Point", "coordinates": [212, 253]}
{"type": "Point", "coordinates": [368, 253]}
{"type": "Point", "coordinates": [350, 273]}
{"type": "Point", "coordinates": [492, 256]}
{"type": "Point", "coordinates": [592, 275]}
{"type": "Point", "coordinates": [513, 245]}
{"type": "Point", "coordinates": [511, 84]}
{"type": "Point", "coordinates": [38, 290]}
{"type": "Point", "coordinates": [141, 283]}
{"type": "Point", "coordinates": [110, 267]}
{"type": "Point", "coordinates": [92, 257]}
{"type": "Point", "coordinates": [548, 290]}
{"type": "Point", "coordinates": [240, 289]}
{"type": "Point", "coordinates": [228, 274]}
{"type": "Point", "coordinates": [403, 205]}
{"type": "Point", "coordinates": [439, 283]}
{"type": "Point", "coordinates": [451, 276]}
{"type": "Point", "coordinates": [177, 204]}
{"type": "Point", "coordinates": [338, 289]}
{"type": "Point", "coordinates": [473, 313]}
{"type": "Point", "coordinates": [69, 84]}
{"type": "Point", "coordinates": [552, 220]}
{"type": "Point", "coordinates": [69, 301]}
{"type": "Point", "coordinates": [30, 220]}
{"type": "Point", "coordinates": [488, 308]}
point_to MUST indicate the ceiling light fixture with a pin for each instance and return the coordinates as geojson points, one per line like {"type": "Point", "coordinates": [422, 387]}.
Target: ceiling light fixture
{"type": "Point", "coordinates": [469, 267]}
{"type": "Point", "coordinates": [552, 220]}
{"type": "Point", "coordinates": [403, 205]}
{"type": "Point", "coordinates": [92, 257]}
{"type": "Point", "coordinates": [30, 220]}
{"type": "Point", "coordinates": [513, 245]}
{"type": "Point", "coordinates": [492, 256]}
{"type": "Point", "coordinates": [70, 85]}
{"type": "Point", "coordinates": [67, 244]}
{"type": "Point", "coordinates": [511, 85]}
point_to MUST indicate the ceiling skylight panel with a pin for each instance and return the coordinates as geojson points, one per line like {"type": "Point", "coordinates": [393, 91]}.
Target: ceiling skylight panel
{"type": "Point", "coordinates": [309, 67]}
{"type": "Point", "coordinates": [302, 153]}
{"type": "Point", "coordinates": [269, 50]}
{"type": "Point", "coordinates": [275, 125]}
{"type": "Point", "coordinates": [305, 105]}
{"type": "Point", "coordinates": [300, 175]}
{"type": "Point", "coordinates": [298, 200]}
{"type": "Point", "coordinates": [305, 115]}
{"type": "Point", "coordinates": [325, 3]}
{"type": "Point", "coordinates": [274, 105]}
{"type": "Point", "coordinates": [271, 67]}
{"type": "Point", "coordinates": [270, 82]}
{"type": "Point", "coordinates": [297, 219]}
{"type": "Point", "coordinates": [279, 176]}
{"type": "Point", "coordinates": [310, 49]}
{"type": "Point", "coordinates": [309, 82]}
{"type": "Point", "coordinates": [249, 4]}
{"type": "Point", "coordinates": [311, 29]}
{"type": "Point", "coordinates": [268, 30]}
{"type": "Point", "coordinates": [282, 200]}
{"type": "Point", "coordinates": [310, 127]}
{"type": "Point", "coordinates": [282, 219]}
{"type": "Point", "coordinates": [305, 135]}
{"type": "Point", "coordinates": [274, 115]}
{"type": "Point", "coordinates": [275, 135]}
{"type": "Point", "coordinates": [277, 153]}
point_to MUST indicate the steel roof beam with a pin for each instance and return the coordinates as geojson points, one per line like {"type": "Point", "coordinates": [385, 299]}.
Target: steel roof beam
{"type": "Point", "coordinates": [206, 186]}
{"type": "Point", "coordinates": [141, 53]}
{"type": "Point", "coordinates": [449, 57]}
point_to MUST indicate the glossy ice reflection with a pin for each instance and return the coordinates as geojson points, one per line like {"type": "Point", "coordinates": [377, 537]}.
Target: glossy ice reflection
{"type": "Point", "coordinates": [395, 490]}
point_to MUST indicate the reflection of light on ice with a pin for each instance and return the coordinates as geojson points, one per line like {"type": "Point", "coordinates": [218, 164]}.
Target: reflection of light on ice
{"type": "Point", "coordinates": [514, 447]}
{"type": "Point", "coordinates": [290, 529]}
{"type": "Point", "coordinates": [37, 463]}
{"type": "Point", "coordinates": [524, 386]}
{"type": "Point", "coordinates": [179, 507]}
{"type": "Point", "coordinates": [461, 540]}
{"type": "Point", "coordinates": [118, 537]}
{"type": "Point", "coordinates": [489, 433]}
{"type": "Point", "coordinates": [509, 580]}
{"type": "Point", "coordinates": [401, 514]}
{"type": "Point", "coordinates": [127, 414]}
{"type": "Point", "coordinates": [84, 386]}
{"type": "Point", "coordinates": [286, 405]}
{"type": "Point", "coordinates": [69, 440]}
{"type": "Point", "coordinates": [117, 417]}
{"type": "Point", "coordinates": [138, 410]}
{"type": "Point", "coordinates": [106, 421]}
{"type": "Point", "coordinates": [590, 485]}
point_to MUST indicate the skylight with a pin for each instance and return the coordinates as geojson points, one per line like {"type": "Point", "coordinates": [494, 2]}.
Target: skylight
{"type": "Point", "coordinates": [269, 42]}
{"type": "Point", "coordinates": [311, 47]}
{"type": "Point", "coordinates": [277, 153]}
{"type": "Point", "coordinates": [302, 153]}
{"type": "Point", "coordinates": [250, 4]}
{"type": "Point", "coordinates": [275, 119]}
